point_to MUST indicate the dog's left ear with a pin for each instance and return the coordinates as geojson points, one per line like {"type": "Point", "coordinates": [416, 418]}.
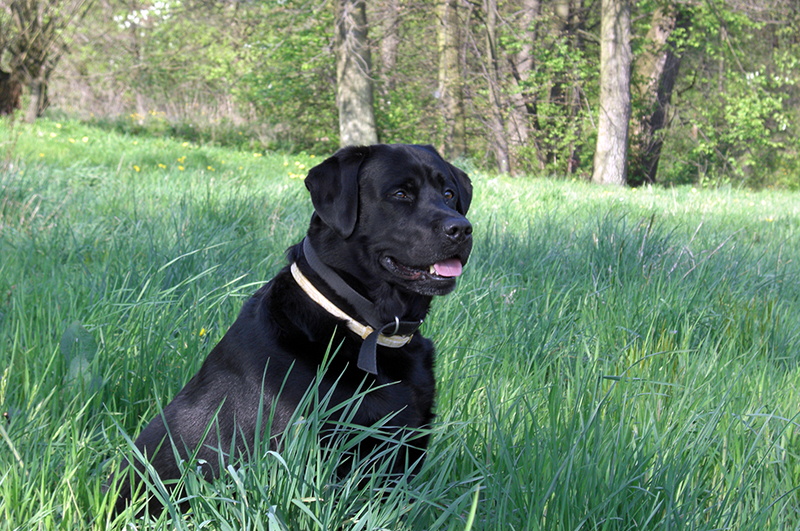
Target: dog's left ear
{"type": "Point", "coordinates": [464, 189]}
{"type": "Point", "coordinates": [463, 183]}
{"type": "Point", "coordinates": [333, 186]}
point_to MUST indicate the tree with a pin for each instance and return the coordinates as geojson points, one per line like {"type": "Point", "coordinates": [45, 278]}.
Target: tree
{"type": "Point", "coordinates": [10, 88]}
{"type": "Point", "coordinates": [499, 141]}
{"type": "Point", "coordinates": [735, 112]}
{"type": "Point", "coordinates": [553, 74]}
{"type": "Point", "coordinates": [10, 92]}
{"type": "Point", "coordinates": [390, 43]}
{"type": "Point", "coordinates": [288, 71]}
{"type": "Point", "coordinates": [451, 80]}
{"type": "Point", "coordinates": [39, 36]}
{"type": "Point", "coordinates": [523, 100]}
{"type": "Point", "coordinates": [610, 157]}
{"type": "Point", "coordinates": [657, 71]}
{"type": "Point", "coordinates": [518, 76]}
{"type": "Point", "coordinates": [354, 96]}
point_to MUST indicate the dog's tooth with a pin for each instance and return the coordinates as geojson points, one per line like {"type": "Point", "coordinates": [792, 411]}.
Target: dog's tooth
{"type": "Point", "coordinates": [432, 270]}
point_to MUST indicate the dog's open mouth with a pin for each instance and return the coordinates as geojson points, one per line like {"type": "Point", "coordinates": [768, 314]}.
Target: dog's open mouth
{"type": "Point", "coordinates": [442, 270]}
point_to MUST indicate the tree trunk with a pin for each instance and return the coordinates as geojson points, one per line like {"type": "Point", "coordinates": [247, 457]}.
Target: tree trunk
{"type": "Point", "coordinates": [559, 27]}
{"type": "Point", "coordinates": [41, 31]}
{"type": "Point", "coordinates": [657, 67]}
{"type": "Point", "coordinates": [500, 142]}
{"type": "Point", "coordinates": [523, 117]}
{"type": "Point", "coordinates": [10, 92]}
{"type": "Point", "coordinates": [451, 84]}
{"type": "Point", "coordinates": [38, 102]}
{"type": "Point", "coordinates": [577, 22]}
{"type": "Point", "coordinates": [390, 44]}
{"type": "Point", "coordinates": [610, 157]}
{"type": "Point", "coordinates": [353, 82]}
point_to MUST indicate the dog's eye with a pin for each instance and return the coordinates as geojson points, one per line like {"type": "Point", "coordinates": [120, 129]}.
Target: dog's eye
{"type": "Point", "coordinates": [449, 194]}
{"type": "Point", "coordinates": [401, 194]}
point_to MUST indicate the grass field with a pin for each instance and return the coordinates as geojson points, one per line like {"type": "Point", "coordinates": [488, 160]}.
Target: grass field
{"type": "Point", "coordinates": [612, 359]}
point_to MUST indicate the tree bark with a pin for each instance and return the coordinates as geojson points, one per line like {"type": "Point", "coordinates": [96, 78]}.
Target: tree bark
{"type": "Point", "coordinates": [390, 44]}
{"type": "Point", "coordinates": [500, 142]}
{"type": "Point", "coordinates": [657, 68]}
{"type": "Point", "coordinates": [10, 92]}
{"type": "Point", "coordinates": [522, 121]}
{"type": "Point", "coordinates": [560, 28]}
{"type": "Point", "coordinates": [38, 98]}
{"type": "Point", "coordinates": [523, 104]}
{"type": "Point", "coordinates": [354, 96]}
{"type": "Point", "coordinates": [451, 83]}
{"type": "Point", "coordinates": [610, 157]}
{"type": "Point", "coordinates": [576, 25]}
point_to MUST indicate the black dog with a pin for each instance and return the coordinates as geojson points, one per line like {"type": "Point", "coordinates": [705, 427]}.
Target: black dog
{"type": "Point", "coordinates": [388, 233]}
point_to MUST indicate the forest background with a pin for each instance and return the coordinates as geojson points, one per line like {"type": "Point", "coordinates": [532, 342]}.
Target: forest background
{"type": "Point", "coordinates": [614, 358]}
{"type": "Point", "coordinates": [513, 85]}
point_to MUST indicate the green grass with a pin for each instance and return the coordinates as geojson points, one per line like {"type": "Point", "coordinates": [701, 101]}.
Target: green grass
{"type": "Point", "coordinates": [612, 359]}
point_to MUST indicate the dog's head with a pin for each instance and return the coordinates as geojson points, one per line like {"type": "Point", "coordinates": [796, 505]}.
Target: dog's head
{"type": "Point", "coordinates": [398, 211]}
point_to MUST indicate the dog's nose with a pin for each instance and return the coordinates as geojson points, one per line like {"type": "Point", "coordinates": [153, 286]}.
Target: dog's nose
{"type": "Point", "coordinates": [457, 229]}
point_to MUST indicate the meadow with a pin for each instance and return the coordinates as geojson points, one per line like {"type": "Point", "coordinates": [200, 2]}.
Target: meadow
{"type": "Point", "coordinates": [612, 359]}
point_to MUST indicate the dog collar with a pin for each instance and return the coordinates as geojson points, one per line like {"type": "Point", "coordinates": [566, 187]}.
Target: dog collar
{"type": "Point", "coordinates": [388, 335]}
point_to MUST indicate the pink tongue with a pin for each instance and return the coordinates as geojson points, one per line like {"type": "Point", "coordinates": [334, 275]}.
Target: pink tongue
{"type": "Point", "coordinates": [448, 268]}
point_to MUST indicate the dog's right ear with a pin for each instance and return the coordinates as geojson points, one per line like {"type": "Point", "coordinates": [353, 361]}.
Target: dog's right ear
{"type": "Point", "coordinates": [333, 185]}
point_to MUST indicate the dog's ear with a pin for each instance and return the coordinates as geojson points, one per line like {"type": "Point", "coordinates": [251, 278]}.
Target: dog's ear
{"type": "Point", "coordinates": [333, 186]}
{"type": "Point", "coordinates": [464, 189]}
{"type": "Point", "coordinates": [463, 183]}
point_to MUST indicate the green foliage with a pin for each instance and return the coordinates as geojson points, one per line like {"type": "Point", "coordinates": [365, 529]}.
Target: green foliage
{"type": "Point", "coordinates": [293, 82]}
{"type": "Point", "coordinates": [408, 105]}
{"type": "Point", "coordinates": [564, 75]}
{"type": "Point", "coordinates": [611, 359]}
{"type": "Point", "coordinates": [164, 67]}
{"type": "Point", "coordinates": [738, 119]}
{"type": "Point", "coordinates": [261, 75]}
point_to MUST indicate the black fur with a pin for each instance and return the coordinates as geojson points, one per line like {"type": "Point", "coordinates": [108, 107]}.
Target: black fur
{"type": "Point", "coordinates": [375, 207]}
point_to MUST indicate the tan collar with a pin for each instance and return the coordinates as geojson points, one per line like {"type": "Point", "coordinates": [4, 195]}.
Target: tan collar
{"type": "Point", "coordinates": [359, 329]}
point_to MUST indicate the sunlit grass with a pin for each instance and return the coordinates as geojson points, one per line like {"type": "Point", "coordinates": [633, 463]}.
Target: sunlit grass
{"type": "Point", "coordinates": [73, 144]}
{"type": "Point", "coordinates": [612, 359]}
